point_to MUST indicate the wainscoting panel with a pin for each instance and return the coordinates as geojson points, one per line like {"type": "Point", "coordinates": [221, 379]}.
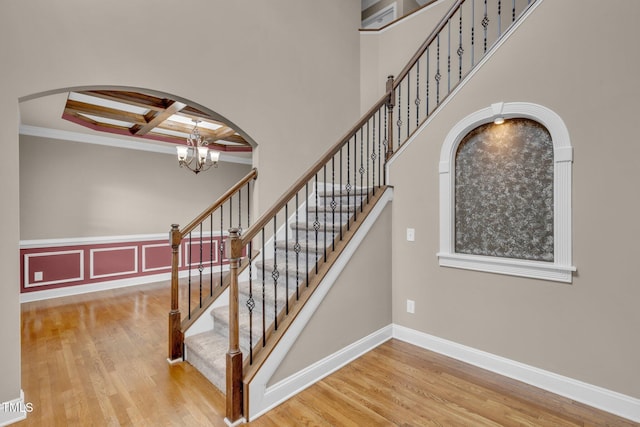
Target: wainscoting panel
{"type": "Point", "coordinates": [59, 263]}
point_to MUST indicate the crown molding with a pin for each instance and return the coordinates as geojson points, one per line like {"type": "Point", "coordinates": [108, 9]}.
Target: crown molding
{"type": "Point", "coordinates": [110, 141]}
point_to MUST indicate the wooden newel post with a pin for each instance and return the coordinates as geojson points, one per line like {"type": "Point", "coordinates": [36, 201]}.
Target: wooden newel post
{"type": "Point", "coordinates": [234, 355]}
{"type": "Point", "coordinates": [391, 103]}
{"type": "Point", "coordinates": [175, 334]}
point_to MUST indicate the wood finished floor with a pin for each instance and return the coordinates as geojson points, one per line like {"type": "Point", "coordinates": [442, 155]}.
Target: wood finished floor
{"type": "Point", "coordinates": [100, 360]}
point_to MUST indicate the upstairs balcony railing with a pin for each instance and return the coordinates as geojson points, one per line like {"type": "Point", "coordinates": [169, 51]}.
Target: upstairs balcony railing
{"type": "Point", "coordinates": [453, 49]}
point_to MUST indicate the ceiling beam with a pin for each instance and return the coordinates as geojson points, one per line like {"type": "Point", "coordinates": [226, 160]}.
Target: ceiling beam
{"type": "Point", "coordinates": [159, 117]}
{"type": "Point", "coordinates": [78, 107]}
{"type": "Point", "coordinates": [132, 98]}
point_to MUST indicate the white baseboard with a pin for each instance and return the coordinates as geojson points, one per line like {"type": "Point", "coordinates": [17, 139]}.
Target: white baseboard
{"type": "Point", "coordinates": [14, 410]}
{"type": "Point", "coordinates": [597, 397]}
{"type": "Point", "coordinates": [289, 387]}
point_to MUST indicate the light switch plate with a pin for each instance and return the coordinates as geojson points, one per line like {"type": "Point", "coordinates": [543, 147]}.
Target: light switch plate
{"type": "Point", "coordinates": [411, 234]}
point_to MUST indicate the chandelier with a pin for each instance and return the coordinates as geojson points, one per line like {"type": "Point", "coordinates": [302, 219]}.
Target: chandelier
{"type": "Point", "coordinates": [196, 156]}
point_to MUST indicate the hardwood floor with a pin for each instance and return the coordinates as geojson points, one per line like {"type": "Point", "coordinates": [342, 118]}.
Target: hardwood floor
{"type": "Point", "coordinates": [100, 360]}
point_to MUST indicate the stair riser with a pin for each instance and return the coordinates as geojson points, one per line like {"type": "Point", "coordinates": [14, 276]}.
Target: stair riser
{"type": "Point", "coordinates": [221, 326]}
{"type": "Point", "coordinates": [309, 236]}
{"type": "Point", "coordinates": [327, 216]}
{"type": "Point", "coordinates": [344, 199]}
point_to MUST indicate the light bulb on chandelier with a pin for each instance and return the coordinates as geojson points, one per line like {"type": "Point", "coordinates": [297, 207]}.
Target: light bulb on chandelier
{"type": "Point", "coordinates": [196, 156]}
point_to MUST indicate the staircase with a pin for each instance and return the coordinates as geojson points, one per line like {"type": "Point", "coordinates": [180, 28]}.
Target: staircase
{"type": "Point", "coordinates": [280, 259]}
{"type": "Point", "coordinates": [277, 277]}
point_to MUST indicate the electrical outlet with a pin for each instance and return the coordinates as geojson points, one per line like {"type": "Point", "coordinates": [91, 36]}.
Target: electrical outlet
{"type": "Point", "coordinates": [411, 306]}
{"type": "Point", "coordinates": [411, 234]}
{"type": "Point", "coordinates": [37, 276]}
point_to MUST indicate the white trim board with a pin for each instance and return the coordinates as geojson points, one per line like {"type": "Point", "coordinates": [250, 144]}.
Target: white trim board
{"type": "Point", "coordinates": [111, 141]}
{"type": "Point", "coordinates": [8, 416]}
{"type": "Point", "coordinates": [597, 397]}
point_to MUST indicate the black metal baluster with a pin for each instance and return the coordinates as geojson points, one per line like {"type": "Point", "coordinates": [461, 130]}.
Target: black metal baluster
{"type": "Point", "coordinates": [340, 192]}
{"type": "Point", "coordinates": [399, 122]}
{"type": "Point", "coordinates": [448, 56]}
{"type": "Point", "coordinates": [499, 18]}
{"type": "Point", "coordinates": [379, 148]}
{"type": "Point", "coordinates": [297, 248]}
{"type": "Point", "coordinates": [373, 152]}
{"type": "Point", "coordinates": [316, 223]}
{"type": "Point", "coordinates": [211, 254]}
{"type": "Point", "coordinates": [240, 210]}
{"type": "Point", "coordinates": [230, 212]}
{"type": "Point", "coordinates": [324, 210]}
{"type": "Point", "coordinates": [460, 48]}
{"type": "Point", "coordinates": [485, 24]}
{"type": "Point", "coordinates": [473, 32]}
{"type": "Point", "coordinates": [251, 304]}
{"type": "Point", "coordinates": [275, 274]}
{"type": "Point", "coordinates": [438, 75]}
{"type": "Point", "coordinates": [286, 256]}
{"type": "Point", "coordinates": [427, 83]}
{"type": "Point", "coordinates": [348, 186]}
{"type": "Point", "coordinates": [368, 166]}
{"type": "Point", "coordinates": [306, 234]}
{"type": "Point", "coordinates": [264, 284]}
{"type": "Point", "coordinates": [333, 201]}
{"type": "Point", "coordinates": [200, 269]}
{"type": "Point", "coordinates": [361, 170]}
{"type": "Point", "coordinates": [417, 101]}
{"type": "Point", "coordinates": [408, 103]}
{"type": "Point", "coordinates": [385, 143]}
{"type": "Point", "coordinates": [513, 11]}
{"type": "Point", "coordinates": [248, 204]}
{"type": "Point", "coordinates": [189, 272]}
{"type": "Point", "coordinates": [355, 175]}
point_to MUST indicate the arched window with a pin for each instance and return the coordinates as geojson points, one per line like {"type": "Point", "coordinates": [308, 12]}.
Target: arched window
{"type": "Point", "coordinates": [505, 193]}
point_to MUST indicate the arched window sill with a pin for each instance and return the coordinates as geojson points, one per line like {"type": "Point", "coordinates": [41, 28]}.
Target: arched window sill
{"type": "Point", "coordinates": [513, 267]}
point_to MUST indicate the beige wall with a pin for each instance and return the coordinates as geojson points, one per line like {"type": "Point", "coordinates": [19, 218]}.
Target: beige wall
{"type": "Point", "coordinates": [587, 330]}
{"type": "Point", "coordinates": [358, 304]}
{"type": "Point", "coordinates": [73, 189]}
{"type": "Point", "coordinates": [282, 72]}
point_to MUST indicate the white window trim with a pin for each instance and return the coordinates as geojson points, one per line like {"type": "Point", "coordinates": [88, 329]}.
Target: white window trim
{"type": "Point", "coordinates": [561, 269]}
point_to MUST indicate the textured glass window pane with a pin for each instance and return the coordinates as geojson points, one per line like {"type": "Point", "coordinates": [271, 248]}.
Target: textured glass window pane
{"type": "Point", "coordinates": [504, 191]}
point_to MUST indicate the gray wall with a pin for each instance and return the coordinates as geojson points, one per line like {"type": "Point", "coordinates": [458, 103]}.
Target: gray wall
{"type": "Point", "coordinates": [282, 72]}
{"type": "Point", "coordinates": [73, 189]}
{"type": "Point", "coordinates": [587, 330]}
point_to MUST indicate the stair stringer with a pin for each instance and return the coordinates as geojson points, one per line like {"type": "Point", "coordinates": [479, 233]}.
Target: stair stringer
{"type": "Point", "coordinates": [261, 398]}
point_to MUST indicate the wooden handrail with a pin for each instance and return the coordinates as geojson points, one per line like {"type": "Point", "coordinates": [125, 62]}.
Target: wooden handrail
{"type": "Point", "coordinates": [423, 47]}
{"type": "Point", "coordinates": [255, 228]}
{"type": "Point", "coordinates": [253, 174]}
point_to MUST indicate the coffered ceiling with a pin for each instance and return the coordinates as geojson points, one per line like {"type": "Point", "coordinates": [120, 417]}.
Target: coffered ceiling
{"type": "Point", "coordinates": [145, 116]}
